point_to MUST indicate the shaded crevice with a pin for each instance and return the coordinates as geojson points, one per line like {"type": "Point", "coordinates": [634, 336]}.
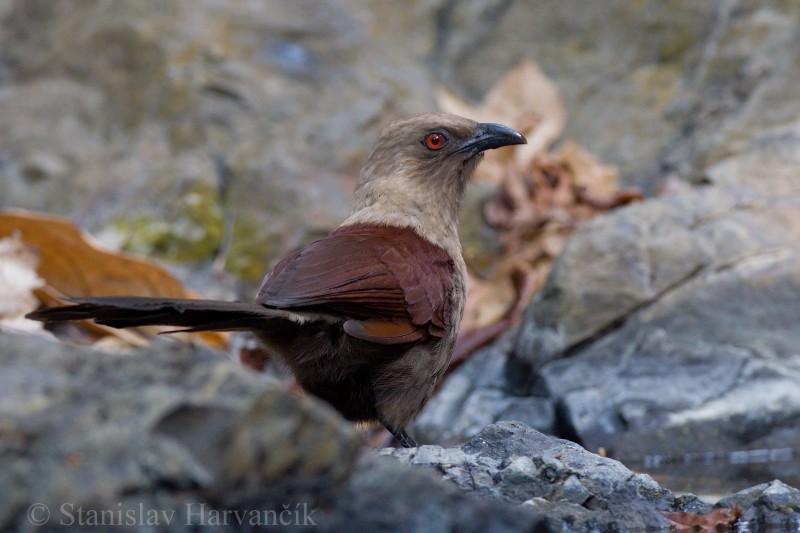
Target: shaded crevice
{"type": "Point", "coordinates": [562, 427]}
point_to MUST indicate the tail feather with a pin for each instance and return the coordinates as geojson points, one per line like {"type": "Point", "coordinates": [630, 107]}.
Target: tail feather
{"type": "Point", "coordinates": [193, 315]}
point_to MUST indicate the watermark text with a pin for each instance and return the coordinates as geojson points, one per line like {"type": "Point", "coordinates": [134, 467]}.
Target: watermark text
{"type": "Point", "coordinates": [190, 514]}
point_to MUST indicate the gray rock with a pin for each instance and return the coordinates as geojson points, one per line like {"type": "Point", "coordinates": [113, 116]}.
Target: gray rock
{"type": "Point", "coordinates": [772, 506]}
{"type": "Point", "coordinates": [576, 490]}
{"type": "Point", "coordinates": [385, 496]}
{"type": "Point", "coordinates": [657, 89]}
{"type": "Point", "coordinates": [114, 112]}
{"type": "Point", "coordinates": [179, 439]}
{"type": "Point", "coordinates": [676, 321]}
{"type": "Point", "coordinates": [287, 98]}
{"type": "Point", "coordinates": [169, 428]}
{"type": "Point", "coordinates": [667, 327]}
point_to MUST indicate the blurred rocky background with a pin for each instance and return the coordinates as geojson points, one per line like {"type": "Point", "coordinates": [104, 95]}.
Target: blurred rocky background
{"type": "Point", "coordinates": [216, 135]}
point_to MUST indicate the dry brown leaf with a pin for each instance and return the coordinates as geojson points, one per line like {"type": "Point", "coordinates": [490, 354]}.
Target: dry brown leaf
{"type": "Point", "coordinates": [598, 180]}
{"type": "Point", "coordinates": [529, 101]}
{"type": "Point", "coordinates": [716, 520]}
{"type": "Point", "coordinates": [493, 300]}
{"type": "Point", "coordinates": [71, 264]}
{"type": "Point", "coordinates": [525, 99]}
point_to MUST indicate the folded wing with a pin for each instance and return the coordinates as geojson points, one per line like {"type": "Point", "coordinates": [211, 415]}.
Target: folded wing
{"type": "Point", "coordinates": [392, 285]}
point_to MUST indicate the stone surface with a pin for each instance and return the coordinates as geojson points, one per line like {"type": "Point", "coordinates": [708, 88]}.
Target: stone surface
{"type": "Point", "coordinates": [115, 112]}
{"type": "Point", "coordinates": [178, 439]}
{"type": "Point", "coordinates": [183, 438]}
{"type": "Point", "coordinates": [167, 428]}
{"type": "Point", "coordinates": [676, 323]}
{"type": "Point", "coordinates": [576, 490]}
{"type": "Point", "coordinates": [119, 111]}
{"type": "Point", "coordinates": [770, 506]}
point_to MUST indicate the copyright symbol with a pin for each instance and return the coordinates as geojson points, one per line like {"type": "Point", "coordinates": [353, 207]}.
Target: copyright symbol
{"type": "Point", "coordinates": [38, 514]}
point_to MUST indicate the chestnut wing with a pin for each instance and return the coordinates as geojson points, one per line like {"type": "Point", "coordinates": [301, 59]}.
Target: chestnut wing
{"type": "Point", "coordinates": [392, 285]}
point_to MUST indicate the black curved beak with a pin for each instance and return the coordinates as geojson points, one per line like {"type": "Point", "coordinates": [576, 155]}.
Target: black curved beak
{"type": "Point", "coordinates": [488, 136]}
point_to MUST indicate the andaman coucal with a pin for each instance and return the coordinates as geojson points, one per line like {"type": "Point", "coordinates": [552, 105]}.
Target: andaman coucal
{"type": "Point", "coordinates": [367, 317]}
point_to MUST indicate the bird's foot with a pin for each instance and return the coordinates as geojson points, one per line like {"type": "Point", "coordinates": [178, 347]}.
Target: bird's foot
{"type": "Point", "coordinates": [402, 437]}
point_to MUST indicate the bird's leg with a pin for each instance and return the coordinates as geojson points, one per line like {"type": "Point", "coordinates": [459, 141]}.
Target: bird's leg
{"type": "Point", "coordinates": [402, 437]}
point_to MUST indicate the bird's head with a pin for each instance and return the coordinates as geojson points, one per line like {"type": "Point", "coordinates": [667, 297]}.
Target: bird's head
{"type": "Point", "coordinates": [419, 165]}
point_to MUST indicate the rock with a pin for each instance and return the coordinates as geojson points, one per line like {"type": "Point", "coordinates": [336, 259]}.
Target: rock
{"type": "Point", "coordinates": [182, 439]}
{"type": "Point", "coordinates": [665, 328]}
{"type": "Point", "coordinates": [579, 491]}
{"type": "Point", "coordinates": [135, 104]}
{"type": "Point", "coordinates": [622, 67]}
{"type": "Point", "coordinates": [178, 439]}
{"type": "Point", "coordinates": [772, 506]}
{"type": "Point", "coordinates": [656, 89]}
{"type": "Point", "coordinates": [576, 490]}
{"type": "Point", "coordinates": [289, 98]}
{"type": "Point", "coordinates": [168, 428]}
{"type": "Point", "coordinates": [675, 322]}
{"type": "Point", "coordinates": [385, 496]}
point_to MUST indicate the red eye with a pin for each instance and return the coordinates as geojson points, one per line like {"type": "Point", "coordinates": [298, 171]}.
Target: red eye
{"type": "Point", "coordinates": [435, 141]}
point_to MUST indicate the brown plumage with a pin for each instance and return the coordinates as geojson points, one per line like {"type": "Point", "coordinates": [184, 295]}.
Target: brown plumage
{"type": "Point", "coordinates": [366, 317]}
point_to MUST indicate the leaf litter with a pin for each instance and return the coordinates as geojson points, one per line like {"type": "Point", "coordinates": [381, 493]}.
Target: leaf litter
{"type": "Point", "coordinates": [539, 197]}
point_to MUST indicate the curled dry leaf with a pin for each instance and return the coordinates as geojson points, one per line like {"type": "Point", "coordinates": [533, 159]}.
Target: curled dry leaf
{"type": "Point", "coordinates": [72, 265]}
{"type": "Point", "coordinates": [525, 99]}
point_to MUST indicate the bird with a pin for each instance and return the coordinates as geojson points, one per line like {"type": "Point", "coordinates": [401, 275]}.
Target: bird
{"type": "Point", "coordinates": [367, 317]}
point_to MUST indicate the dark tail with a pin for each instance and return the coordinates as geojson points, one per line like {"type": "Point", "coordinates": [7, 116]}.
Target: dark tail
{"type": "Point", "coordinates": [189, 315]}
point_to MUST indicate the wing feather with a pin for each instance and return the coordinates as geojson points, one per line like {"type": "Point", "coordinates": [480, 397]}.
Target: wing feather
{"type": "Point", "coordinates": [369, 274]}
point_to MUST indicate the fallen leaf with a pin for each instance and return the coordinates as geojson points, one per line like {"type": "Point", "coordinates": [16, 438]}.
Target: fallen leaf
{"type": "Point", "coordinates": [525, 99]}
{"type": "Point", "coordinates": [72, 264]}
{"type": "Point", "coordinates": [720, 519]}
{"type": "Point", "coordinates": [540, 198]}
{"type": "Point", "coordinates": [529, 101]}
{"type": "Point", "coordinates": [597, 179]}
